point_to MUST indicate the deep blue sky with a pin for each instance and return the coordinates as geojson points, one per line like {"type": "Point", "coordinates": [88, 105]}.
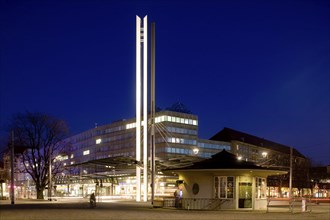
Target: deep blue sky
{"type": "Point", "coordinates": [261, 67]}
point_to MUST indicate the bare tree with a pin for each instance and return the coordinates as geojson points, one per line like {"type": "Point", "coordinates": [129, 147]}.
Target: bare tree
{"type": "Point", "coordinates": [43, 136]}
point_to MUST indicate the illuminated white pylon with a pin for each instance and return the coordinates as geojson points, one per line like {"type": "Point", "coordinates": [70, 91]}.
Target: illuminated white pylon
{"type": "Point", "coordinates": [141, 39]}
{"type": "Point", "coordinates": [145, 112]}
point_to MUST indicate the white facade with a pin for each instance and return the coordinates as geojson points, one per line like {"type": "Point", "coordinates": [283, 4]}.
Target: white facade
{"type": "Point", "coordinates": [247, 194]}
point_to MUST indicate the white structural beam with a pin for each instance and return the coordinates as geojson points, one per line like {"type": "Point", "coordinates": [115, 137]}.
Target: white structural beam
{"type": "Point", "coordinates": [145, 112]}
{"type": "Point", "coordinates": [152, 110]}
{"type": "Point", "coordinates": [141, 67]}
{"type": "Point", "coordinates": [138, 108]}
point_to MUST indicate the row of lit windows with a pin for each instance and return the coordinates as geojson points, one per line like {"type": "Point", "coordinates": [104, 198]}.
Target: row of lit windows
{"type": "Point", "coordinates": [115, 138]}
{"type": "Point", "coordinates": [182, 130]}
{"type": "Point", "coordinates": [181, 141]}
{"type": "Point", "coordinates": [133, 125]}
{"type": "Point", "coordinates": [170, 129]}
{"type": "Point", "coordinates": [163, 118]}
{"type": "Point", "coordinates": [159, 140]}
{"type": "Point", "coordinates": [214, 146]}
{"type": "Point", "coordinates": [176, 119]}
{"type": "Point", "coordinates": [62, 157]}
{"type": "Point", "coordinates": [118, 128]}
{"type": "Point", "coordinates": [170, 140]}
{"type": "Point", "coordinates": [175, 150]}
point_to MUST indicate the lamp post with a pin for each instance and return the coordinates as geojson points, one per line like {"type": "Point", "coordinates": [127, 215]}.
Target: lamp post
{"type": "Point", "coordinates": [50, 176]}
{"type": "Point", "coordinates": [290, 181]}
{"type": "Point", "coordinates": [12, 185]}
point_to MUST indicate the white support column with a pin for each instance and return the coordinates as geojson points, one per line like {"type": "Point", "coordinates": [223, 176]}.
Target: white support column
{"type": "Point", "coordinates": [138, 108]}
{"type": "Point", "coordinates": [145, 112]}
{"type": "Point", "coordinates": [152, 110]}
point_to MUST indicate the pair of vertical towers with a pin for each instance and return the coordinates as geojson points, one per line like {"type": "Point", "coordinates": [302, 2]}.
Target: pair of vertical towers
{"type": "Point", "coordinates": [142, 75]}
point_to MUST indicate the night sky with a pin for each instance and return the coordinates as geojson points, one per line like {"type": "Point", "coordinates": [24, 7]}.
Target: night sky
{"type": "Point", "coordinates": [260, 67]}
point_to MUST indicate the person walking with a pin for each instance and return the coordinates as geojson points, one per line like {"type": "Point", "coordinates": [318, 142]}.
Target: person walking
{"type": "Point", "coordinates": [92, 200]}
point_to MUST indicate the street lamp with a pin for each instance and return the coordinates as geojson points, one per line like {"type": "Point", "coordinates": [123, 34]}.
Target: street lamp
{"type": "Point", "coordinates": [50, 174]}
{"type": "Point", "coordinates": [12, 191]}
{"type": "Point", "coordinates": [195, 151]}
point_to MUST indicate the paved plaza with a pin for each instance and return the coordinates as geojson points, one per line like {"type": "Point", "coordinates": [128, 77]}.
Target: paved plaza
{"type": "Point", "coordinates": [78, 209]}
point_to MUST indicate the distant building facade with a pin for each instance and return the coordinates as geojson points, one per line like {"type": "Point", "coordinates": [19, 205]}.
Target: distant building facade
{"type": "Point", "coordinates": [269, 154]}
{"type": "Point", "coordinates": [177, 145]}
{"type": "Point", "coordinates": [320, 181]}
{"type": "Point", "coordinates": [102, 159]}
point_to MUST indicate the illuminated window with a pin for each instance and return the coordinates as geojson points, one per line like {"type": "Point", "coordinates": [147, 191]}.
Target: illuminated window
{"type": "Point", "coordinates": [86, 152]}
{"type": "Point", "coordinates": [98, 141]}
{"type": "Point", "coordinates": [61, 157]}
{"type": "Point", "coordinates": [224, 187]}
{"type": "Point", "coordinates": [261, 188]}
{"type": "Point", "coordinates": [131, 125]}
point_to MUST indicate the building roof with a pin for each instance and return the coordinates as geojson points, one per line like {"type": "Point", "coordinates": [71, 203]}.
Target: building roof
{"type": "Point", "coordinates": [228, 134]}
{"type": "Point", "coordinates": [223, 160]}
{"type": "Point", "coordinates": [120, 164]}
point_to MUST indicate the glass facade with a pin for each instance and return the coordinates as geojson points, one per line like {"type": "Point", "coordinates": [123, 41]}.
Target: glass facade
{"type": "Point", "coordinates": [176, 136]}
{"type": "Point", "coordinates": [176, 133]}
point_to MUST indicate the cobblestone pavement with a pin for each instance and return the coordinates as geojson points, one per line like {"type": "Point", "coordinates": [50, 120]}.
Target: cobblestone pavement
{"type": "Point", "coordinates": [78, 209]}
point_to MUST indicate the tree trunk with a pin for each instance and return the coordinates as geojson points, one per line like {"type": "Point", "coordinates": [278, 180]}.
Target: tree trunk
{"type": "Point", "coordinates": [40, 192]}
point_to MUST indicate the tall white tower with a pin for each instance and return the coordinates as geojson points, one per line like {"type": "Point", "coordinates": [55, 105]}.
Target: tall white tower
{"type": "Point", "coordinates": [141, 67]}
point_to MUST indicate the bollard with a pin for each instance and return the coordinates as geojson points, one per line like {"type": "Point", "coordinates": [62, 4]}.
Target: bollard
{"type": "Point", "coordinates": [303, 205]}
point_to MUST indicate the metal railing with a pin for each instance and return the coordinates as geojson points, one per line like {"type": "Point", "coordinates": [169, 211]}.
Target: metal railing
{"type": "Point", "coordinates": [297, 204]}
{"type": "Point", "coordinates": [194, 203]}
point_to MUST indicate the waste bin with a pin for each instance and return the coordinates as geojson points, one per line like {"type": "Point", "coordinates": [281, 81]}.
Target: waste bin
{"type": "Point", "coordinates": [158, 203]}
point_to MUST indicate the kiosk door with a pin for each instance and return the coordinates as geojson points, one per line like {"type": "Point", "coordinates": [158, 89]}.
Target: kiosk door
{"type": "Point", "coordinates": [245, 192]}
